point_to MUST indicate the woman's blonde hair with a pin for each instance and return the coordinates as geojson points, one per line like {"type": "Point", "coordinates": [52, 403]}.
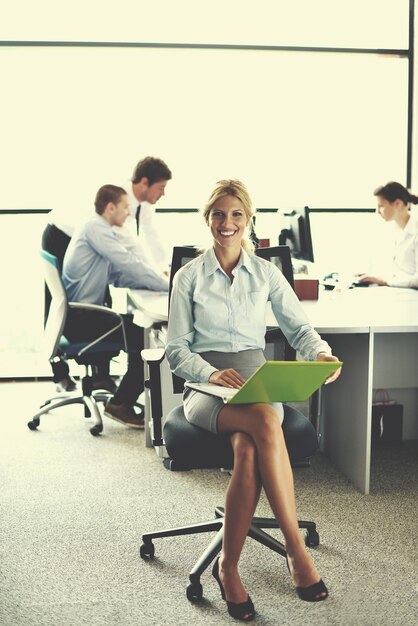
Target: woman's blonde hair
{"type": "Point", "coordinates": [237, 189]}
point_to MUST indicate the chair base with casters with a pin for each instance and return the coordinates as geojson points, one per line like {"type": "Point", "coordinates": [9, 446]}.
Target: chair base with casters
{"type": "Point", "coordinates": [191, 447]}
{"type": "Point", "coordinates": [88, 397]}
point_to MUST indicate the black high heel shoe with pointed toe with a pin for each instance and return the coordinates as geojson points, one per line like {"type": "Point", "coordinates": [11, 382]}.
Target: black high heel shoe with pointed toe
{"type": "Point", "coordinates": [311, 593]}
{"type": "Point", "coordinates": [243, 611]}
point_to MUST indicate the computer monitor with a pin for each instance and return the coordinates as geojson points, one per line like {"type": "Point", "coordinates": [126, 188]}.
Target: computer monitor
{"type": "Point", "coordinates": [348, 241]}
{"type": "Point", "coordinates": [266, 222]}
{"type": "Point", "coordinates": [296, 233]}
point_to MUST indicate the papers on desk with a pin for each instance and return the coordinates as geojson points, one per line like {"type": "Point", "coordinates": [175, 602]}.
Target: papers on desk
{"type": "Point", "coordinates": [162, 335]}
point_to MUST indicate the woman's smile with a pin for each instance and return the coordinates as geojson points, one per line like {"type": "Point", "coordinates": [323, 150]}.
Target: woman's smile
{"type": "Point", "coordinates": [227, 221]}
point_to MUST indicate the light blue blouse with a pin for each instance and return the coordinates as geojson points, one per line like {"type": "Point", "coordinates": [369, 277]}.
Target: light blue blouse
{"type": "Point", "coordinates": [208, 312]}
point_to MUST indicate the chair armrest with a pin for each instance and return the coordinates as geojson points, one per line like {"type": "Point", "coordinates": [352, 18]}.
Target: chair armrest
{"type": "Point", "coordinates": [153, 357]}
{"type": "Point", "coordinates": [276, 335]}
{"type": "Point", "coordinates": [96, 308]}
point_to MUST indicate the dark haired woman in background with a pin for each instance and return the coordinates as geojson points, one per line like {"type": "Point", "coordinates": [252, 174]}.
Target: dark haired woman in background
{"type": "Point", "coordinates": [393, 204]}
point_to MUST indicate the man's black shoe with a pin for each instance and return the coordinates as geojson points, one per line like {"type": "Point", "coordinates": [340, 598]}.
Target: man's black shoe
{"type": "Point", "coordinates": [66, 385]}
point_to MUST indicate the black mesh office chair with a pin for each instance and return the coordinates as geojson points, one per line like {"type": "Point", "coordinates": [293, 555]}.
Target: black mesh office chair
{"type": "Point", "coordinates": [85, 353]}
{"type": "Point", "coordinates": [190, 447]}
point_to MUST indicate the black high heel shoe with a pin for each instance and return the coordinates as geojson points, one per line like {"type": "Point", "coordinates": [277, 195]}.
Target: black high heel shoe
{"type": "Point", "coordinates": [310, 594]}
{"type": "Point", "coordinates": [243, 611]}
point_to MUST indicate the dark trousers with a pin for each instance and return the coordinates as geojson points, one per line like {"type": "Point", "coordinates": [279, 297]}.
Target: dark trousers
{"type": "Point", "coordinates": [55, 241]}
{"type": "Point", "coordinates": [88, 325]}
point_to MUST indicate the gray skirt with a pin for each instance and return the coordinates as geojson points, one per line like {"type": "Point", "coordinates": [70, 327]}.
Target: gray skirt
{"type": "Point", "coordinates": [203, 410]}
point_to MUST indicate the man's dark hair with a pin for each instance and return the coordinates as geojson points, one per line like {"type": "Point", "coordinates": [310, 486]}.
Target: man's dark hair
{"type": "Point", "coordinates": [151, 168]}
{"type": "Point", "coordinates": [106, 194]}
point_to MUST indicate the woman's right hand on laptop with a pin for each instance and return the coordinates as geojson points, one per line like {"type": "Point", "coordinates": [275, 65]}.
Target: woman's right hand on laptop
{"type": "Point", "coordinates": [227, 378]}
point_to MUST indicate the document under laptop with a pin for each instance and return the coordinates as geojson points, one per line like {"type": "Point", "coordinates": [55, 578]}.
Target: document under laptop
{"type": "Point", "coordinates": [275, 381]}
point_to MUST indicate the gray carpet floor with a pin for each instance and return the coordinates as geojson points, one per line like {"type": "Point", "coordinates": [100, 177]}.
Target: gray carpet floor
{"type": "Point", "coordinates": [73, 508]}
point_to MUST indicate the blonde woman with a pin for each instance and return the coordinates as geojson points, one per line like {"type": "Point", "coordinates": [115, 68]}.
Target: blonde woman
{"type": "Point", "coordinates": [216, 333]}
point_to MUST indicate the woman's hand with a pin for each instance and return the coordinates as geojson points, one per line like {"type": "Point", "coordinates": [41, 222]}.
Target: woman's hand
{"type": "Point", "coordinates": [227, 378]}
{"type": "Point", "coordinates": [322, 356]}
{"type": "Point", "coordinates": [365, 278]}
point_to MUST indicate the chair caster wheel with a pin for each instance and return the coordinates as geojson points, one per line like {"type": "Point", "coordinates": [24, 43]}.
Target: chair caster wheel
{"type": "Point", "coordinates": [147, 551]}
{"type": "Point", "coordinates": [96, 430]}
{"type": "Point", "coordinates": [311, 539]}
{"type": "Point", "coordinates": [194, 592]}
{"type": "Point", "coordinates": [33, 424]}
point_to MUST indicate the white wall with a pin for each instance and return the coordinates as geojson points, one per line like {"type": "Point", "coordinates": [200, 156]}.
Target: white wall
{"type": "Point", "coordinates": [414, 184]}
{"type": "Point", "coordinates": [341, 23]}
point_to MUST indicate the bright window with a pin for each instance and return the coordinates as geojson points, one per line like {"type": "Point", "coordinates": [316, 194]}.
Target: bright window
{"type": "Point", "coordinates": [299, 128]}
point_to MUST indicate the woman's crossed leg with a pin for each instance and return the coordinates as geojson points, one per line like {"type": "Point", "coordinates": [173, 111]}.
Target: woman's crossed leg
{"type": "Point", "coordinates": [260, 460]}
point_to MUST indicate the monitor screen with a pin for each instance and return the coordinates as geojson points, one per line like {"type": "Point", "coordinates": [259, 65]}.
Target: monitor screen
{"type": "Point", "coordinates": [266, 224]}
{"type": "Point", "coordinates": [296, 234]}
{"type": "Point", "coordinates": [349, 241]}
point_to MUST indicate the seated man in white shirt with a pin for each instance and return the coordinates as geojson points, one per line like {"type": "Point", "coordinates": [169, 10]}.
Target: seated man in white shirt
{"type": "Point", "coordinates": [139, 232]}
{"type": "Point", "coordinates": [94, 259]}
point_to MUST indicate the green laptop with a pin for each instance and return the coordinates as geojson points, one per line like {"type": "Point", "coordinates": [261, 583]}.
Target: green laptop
{"type": "Point", "coordinates": [275, 381]}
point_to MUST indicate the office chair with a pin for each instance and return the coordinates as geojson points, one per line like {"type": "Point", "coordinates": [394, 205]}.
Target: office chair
{"type": "Point", "coordinates": [280, 256]}
{"type": "Point", "coordinates": [190, 447]}
{"type": "Point", "coordinates": [84, 353]}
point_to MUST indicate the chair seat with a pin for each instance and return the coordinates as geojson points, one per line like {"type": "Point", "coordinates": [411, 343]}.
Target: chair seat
{"type": "Point", "coordinates": [71, 350]}
{"type": "Point", "coordinates": [201, 449]}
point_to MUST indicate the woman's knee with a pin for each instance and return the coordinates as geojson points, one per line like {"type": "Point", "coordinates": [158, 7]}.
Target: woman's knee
{"type": "Point", "coordinates": [267, 422]}
{"type": "Point", "coordinates": [245, 451]}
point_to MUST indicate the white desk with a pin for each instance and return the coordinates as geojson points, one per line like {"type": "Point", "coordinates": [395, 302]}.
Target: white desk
{"type": "Point", "coordinates": [385, 354]}
{"type": "Point", "coordinates": [152, 305]}
{"type": "Point", "coordinates": [375, 332]}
